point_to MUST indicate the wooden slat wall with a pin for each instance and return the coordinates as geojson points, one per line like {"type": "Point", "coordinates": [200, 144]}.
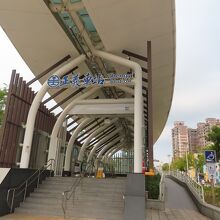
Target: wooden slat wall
{"type": "Point", "coordinates": [19, 99]}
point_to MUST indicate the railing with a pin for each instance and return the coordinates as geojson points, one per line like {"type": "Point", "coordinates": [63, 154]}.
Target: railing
{"type": "Point", "coordinates": [162, 188]}
{"type": "Point", "coordinates": [69, 193]}
{"type": "Point", "coordinates": [90, 168]}
{"type": "Point", "coordinates": [20, 192]}
{"type": "Point", "coordinates": [192, 184]}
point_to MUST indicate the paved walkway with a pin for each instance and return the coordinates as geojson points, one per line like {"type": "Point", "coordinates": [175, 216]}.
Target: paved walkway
{"type": "Point", "coordinates": [175, 214]}
{"type": "Point", "coordinates": [17, 216]}
{"type": "Point", "coordinates": [177, 197]}
{"type": "Point", "coordinates": [178, 203]}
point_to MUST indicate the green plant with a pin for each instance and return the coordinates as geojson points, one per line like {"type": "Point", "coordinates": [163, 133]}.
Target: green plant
{"type": "Point", "coordinates": [3, 97]}
{"type": "Point", "coordinates": [152, 185]}
{"type": "Point", "coordinates": [165, 167]}
{"type": "Point", "coordinates": [208, 195]}
{"type": "Point", "coordinates": [214, 137]}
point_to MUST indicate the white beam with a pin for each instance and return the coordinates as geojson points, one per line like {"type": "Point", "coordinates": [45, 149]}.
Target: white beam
{"type": "Point", "coordinates": [108, 152]}
{"type": "Point", "coordinates": [107, 147]}
{"type": "Point", "coordinates": [138, 105]}
{"type": "Point", "coordinates": [53, 139]}
{"type": "Point", "coordinates": [92, 152]}
{"type": "Point", "coordinates": [26, 150]}
{"type": "Point", "coordinates": [91, 136]}
{"type": "Point", "coordinates": [103, 109]}
{"type": "Point", "coordinates": [71, 142]}
{"type": "Point", "coordinates": [115, 151]}
{"type": "Point", "coordinates": [126, 89]}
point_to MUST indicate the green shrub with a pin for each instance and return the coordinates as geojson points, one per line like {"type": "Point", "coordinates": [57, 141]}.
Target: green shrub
{"type": "Point", "coordinates": [208, 196]}
{"type": "Point", "coordinates": [152, 185]}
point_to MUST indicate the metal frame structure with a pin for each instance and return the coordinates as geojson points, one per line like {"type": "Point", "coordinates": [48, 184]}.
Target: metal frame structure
{"type": "Point", "coordinates": [86, 50]}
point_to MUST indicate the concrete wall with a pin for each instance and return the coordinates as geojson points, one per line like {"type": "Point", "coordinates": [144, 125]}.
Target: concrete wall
{"type": "Point", "coordinates": [135, 197]}
{"type": "Point", "coordinates": [13, 179]}
{"type": "Point", "coordinates": [158, 204]}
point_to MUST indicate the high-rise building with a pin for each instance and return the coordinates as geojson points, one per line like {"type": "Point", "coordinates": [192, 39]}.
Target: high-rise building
{"type": "Point", "coordinates": [202, 131]}
{"type": "Point", "coordinates": [189, 139]}
{"type": "Point", "coordinates": [193, 139]}
{"type": "Point", "coordinates": [180, 139]}
{"type": "Point", "coordinates": [203, 128]}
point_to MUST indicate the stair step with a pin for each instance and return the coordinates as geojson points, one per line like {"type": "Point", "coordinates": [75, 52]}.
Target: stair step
{"type": "Point", "coordinates": [54, 212]}
{"type": "Point", "coordinates": [93, 198]}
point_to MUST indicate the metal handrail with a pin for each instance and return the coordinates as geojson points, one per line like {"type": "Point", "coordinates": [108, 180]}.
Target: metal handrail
{"type": "Point", "coordinates": [191, 183]}
{"type": "Point", "coordinates": [161, 195]}
{"type": "Point", "coordinates": [71, 191]}
{"type": "Point", "coordinates": [68, 194]}
{"type": "Point", "coordinates": [24, 185]}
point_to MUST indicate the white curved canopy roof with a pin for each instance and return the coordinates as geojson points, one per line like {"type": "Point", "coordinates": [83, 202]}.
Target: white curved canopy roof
{"type": "Point", "coordinates": [41, 41]}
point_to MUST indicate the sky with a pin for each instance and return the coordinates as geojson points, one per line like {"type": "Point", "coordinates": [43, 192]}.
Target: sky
{"type": "Point", "coordinates": [197, 81]}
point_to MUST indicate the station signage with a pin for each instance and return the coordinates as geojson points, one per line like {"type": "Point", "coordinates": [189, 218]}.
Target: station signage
{"type": "Point", "coordinates": [76, 80]}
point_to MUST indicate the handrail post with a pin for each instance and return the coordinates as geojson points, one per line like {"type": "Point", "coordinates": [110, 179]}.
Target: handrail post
{"type": "Point", "coordinates": [203, 197]}
{"type": "Point", "coordinates": [12, 201]}
{"type": "Point", "coordinates": [25, 190]}
{"type": "Point", "coordinates": [51, 165]}
{"type": "Point", "coordinates": [38, 179]}
{"type": "Point", "coordinates": [8, 195]}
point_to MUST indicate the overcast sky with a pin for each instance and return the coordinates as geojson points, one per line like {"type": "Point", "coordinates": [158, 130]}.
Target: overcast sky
{"type": "Point", "coordinates": [197, 82]}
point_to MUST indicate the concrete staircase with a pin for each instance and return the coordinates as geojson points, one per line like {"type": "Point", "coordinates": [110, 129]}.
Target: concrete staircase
{"type": "Point", "coordinates": [93, 198]}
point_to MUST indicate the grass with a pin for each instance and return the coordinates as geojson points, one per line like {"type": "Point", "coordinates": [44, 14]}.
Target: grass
{"type": "Point", "coordinates": [208, 196]}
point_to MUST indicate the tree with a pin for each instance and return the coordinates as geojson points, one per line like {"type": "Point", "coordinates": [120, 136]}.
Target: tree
{"type": "Point", "coordinates": [165, 167]}
{"type": "Point", "coordinates": [179, 164]}
{"type": "Point", "coordinates": [200, 162]}
{"type": "Point", "coordinates": [3, 97]}
{"type": "Point", "coordinates": [214, 137]}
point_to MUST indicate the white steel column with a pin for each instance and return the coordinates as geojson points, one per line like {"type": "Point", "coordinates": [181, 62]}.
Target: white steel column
{"type": "Point", "coordinates": [88, 139]}
{"type": "Point", "coordinates": [101, 142]}
{"type": "Point", "coordinates": [26, 150]}
{"type": "Point", "coordinates": [138, 105]}
{"type": "Point", "coordinates": [71, 142]}
{"type": "Point", "coordinates": [58, 124]}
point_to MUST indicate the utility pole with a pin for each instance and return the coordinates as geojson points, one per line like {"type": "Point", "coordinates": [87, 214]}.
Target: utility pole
{"type": "Point", "coordinates": [187, 162]}
{"type": "Point", "coordinates": [169, 162]}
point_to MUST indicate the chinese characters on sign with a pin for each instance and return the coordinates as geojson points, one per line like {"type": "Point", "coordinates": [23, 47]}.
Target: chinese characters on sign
{"type": "Point", "coordinates": [74, 80]}
{"type": "Point", "coordinates": [88, 79]}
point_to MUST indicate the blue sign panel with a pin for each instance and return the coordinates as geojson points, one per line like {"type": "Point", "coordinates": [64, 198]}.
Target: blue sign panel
{"type": "Point", "coordinates": [210, 156]}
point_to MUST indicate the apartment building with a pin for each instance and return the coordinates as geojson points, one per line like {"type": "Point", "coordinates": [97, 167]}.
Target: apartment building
{"type": "Point", "coordinates": [191, 139]}
{"type": "Point", "coordinates": [203, 128]}
{"type": "Point", "coordinates": [180, 139]}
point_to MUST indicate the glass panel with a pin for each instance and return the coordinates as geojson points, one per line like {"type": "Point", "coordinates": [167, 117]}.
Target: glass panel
{"type": "Point", "coordinates": [56, 1]}
{"type": "Point", "coordinates": [67, 20]}
{"type": "Point", "coordinates": [86, 20]}
{"type": "Point", "coordinates": [75, 1]}
{"type": "Point", "coordinates": [89, 26]}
